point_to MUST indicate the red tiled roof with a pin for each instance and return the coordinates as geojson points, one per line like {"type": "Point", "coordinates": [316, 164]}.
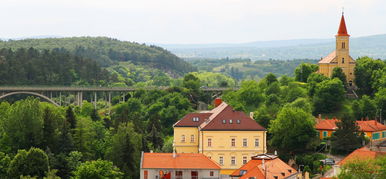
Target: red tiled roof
{"type": "Point", "coordinates": [275, 167]}
{"type": "Point", "coordinates": [361, 154]}
{"type": "Point", "coordinates": [328, 124]}
{"type": "Point", "coordinates": [213, 120]}
{"type": "Point", "coordinates": [187, 120]}
{"type": "Point", "coordinates": [364, 126]}
{"type": "Point", "coordinates": [181, 161]}
{"type": "Point", "coordinates": [234, 120]}
{"type": "Point", "coordinates": [342, 27]}
{"type": "Point", "coordinates": [371, 126]}
{"type": "Point", "coordinates": [328, 58]}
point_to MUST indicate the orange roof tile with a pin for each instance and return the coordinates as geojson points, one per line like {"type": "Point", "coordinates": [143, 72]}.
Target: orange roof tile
{"type": "Point", "coordinates": [328, 58]}
{"type": "Point", "coordinates": [255, 168]}
{"type": "Point", "coordinates": [181, 161]}
{"type": "Point", "coordinates": [364, 126]}
{"type": "Point", "coordinates": [361, 154]}
{"type": "Point", "coordinates": [328, 124]}
{"type": "Point", "coordinates": [342, 27]}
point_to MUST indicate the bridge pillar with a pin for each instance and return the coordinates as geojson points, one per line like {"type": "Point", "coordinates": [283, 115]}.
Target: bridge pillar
{"type": "Point", "coordinates": [109, 103]}
{"type": "Point", "coordinates": [95, 100]}
{"type": "Point", "coordinates": [60, 98]}
{"type": "Point", "coordinates": [79, 98]}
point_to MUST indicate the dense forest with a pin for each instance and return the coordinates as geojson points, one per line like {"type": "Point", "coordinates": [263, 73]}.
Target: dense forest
{"type": "Point", "coordinates": [107, 52]}
{"type": "Point", "coordinates": [50, 67]}
{"type": "Point", "coordinates": [41, 140]}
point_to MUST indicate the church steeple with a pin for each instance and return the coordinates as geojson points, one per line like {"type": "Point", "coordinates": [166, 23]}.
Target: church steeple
{"type": "Point", "coordinates": [342, 27]}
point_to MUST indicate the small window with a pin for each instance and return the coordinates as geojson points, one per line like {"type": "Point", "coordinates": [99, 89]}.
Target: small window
{"type": "Point", "coordinates": [196, 119]}
{"type": "Point", "coordinates": [343, 45]}
{"type": "Point", "coordinates": [233, 142]}
{"type": "Point", "coordinates": [238, 121]}
{"type": "Point", "coordinates": [179, 175]}
{"type": "Point", "coordinates": [230, 121]}
{"type": "Point", "coordinates": [325, 133]}
{"type": "Point", "coordinates": [145, 174]}
{"type": "Point", "coordinates": [224, 121]}
{"type": "Point", "coordinates": [221, 160]}
{"type": "Point", "coordinates": [245, 142]}
{"type": "Point", "coordinates": [244, 160]}
{"type": "Point", "coordinates": [194, 174]}
{"type": "Point", "coordinates": [209, 142]}
{"type": "Point", "coordinates": [233, 160]}
{"type": "Point", "coordinates": [192, 138]}
{"type": "Point", "coordinates": [256, 142]}
{"type": "Point", "coordinates": [211, 173]}
{"type": "Point", "coordinates": [342, 60]}
{"type": "Point", "coordinates": [183, 138]}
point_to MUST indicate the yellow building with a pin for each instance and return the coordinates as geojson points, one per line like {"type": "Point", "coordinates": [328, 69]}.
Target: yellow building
{"type": "Point", "coordinates": [340, 57]}
{"type": "Point", "coordinates": [226, 136]}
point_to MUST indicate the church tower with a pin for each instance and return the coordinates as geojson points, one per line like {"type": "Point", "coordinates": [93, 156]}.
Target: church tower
{"type": "Point", "coordinates": [341, 56]}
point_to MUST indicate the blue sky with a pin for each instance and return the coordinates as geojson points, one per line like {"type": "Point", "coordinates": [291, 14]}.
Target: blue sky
{"type": "Point", "coordinates": [191, 21]}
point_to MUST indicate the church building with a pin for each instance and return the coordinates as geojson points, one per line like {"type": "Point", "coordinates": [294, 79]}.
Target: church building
{"type": "Point", "coordinates": [340, 57]}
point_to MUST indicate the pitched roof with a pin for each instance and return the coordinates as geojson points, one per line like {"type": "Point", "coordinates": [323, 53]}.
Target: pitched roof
{"type": "Point", "coordinates": [214, 120]}
{"type": "Point", "coordinates": [181, 161]}
{"type": "Point", "coordinates": [361, 154]}
{"type": "Point", "coordinates": [188, 120]}
{"type": "Point", "coordinates": [225, 118]}
{"type": "Point", "coordinates": [255, 168]}
{"type": "Point", "coordinates": [364, 126]}
{"type": "Point", "coordinates": [328, 124]}
{"type": "Point", "coordinates": [342, 31]}
{"type": "Point", "coordinates": [329, 58]}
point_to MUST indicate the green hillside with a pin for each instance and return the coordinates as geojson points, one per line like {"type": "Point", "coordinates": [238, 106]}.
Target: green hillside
{"type": "Point", "coordinates": [108, 51]}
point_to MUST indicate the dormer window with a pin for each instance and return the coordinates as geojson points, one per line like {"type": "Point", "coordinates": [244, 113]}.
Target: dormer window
{"type": "Point", "coordinates": [238, 121]}
{"type": "Point", "coordinates": [196, 119]}
{"type": "Point", "coordinates": [230, 121]}
{"type": "Point", "coordinates": [224, 121]}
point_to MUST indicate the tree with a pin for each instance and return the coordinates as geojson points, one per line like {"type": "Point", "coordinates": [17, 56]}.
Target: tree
{"type": "Point", "coordinates": [380, 100]}
{"type": "Point", "coordinates": [99, 169]}
{"type": "Point", "coordinates": [32, 163]}
{"type": "Point", "coordinates": [293, 130]}
{"type": "Point", "coordinates": [49, 135]}
{"type": "Point", "coordinates": [270, 78]}
{"type": "Point", "coordinates": [4, 164]}
{"type": "Point", "coordinates": [337, 72]}
{"type": "Point", "coordinates": [125, 150]}
{"type": "Point", "coordinates": [364, 169]}
{"type": "Point", "coordinates": [329, 96]}
{"type": "Point", "coordinates": [304, 70]}
{"type": "Point", "coordinates": [70, 117]}
{"type": "Point", "coordinates": [364, 108]}
{"type": "Point", "coordinates": [313, 80]}
{"type": "Point", "coordinates": [347, 137]}
{"type": "Point", "coordinates": [24, 124]}
{"type": "Point", "coordinates": [365, 76]}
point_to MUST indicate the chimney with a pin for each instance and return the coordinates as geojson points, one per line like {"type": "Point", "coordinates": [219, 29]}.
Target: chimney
{"type": "Point", "coordinates": [151, 151]}
{"type": "Point", "coordinates": [217, 102]}
{"type": "Point", "coordinates": [275, 152]}
{"type": "Point", "coordinates": [174, 154]}
{"type": "Point", "coordinates": [251, 115]}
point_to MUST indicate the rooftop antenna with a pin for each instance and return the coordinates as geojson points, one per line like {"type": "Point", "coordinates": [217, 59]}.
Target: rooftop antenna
{"type": "Point", "coordinates": [342, 10]}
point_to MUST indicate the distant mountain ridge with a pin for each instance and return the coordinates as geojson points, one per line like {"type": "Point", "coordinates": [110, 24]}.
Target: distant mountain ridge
{"type": "Point", "coordinates": [373, 46]}
{"type": "Point", "coordinates": [107, 51]}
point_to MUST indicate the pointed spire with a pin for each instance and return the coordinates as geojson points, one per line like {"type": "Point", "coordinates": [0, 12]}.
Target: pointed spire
{"type": "Point", "coordinates": [342, 27]}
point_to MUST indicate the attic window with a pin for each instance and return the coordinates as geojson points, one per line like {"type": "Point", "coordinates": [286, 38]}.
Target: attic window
{"type": "Point", "coordinates": [224, 121]}
{"type": "Point", "coordinates": [275, 177]}
{"type": "Point", "coordinates": [196, 119]}
{"type": "Point", "coordinates": [230, 121]}
{"type": "Point", "coordinates": [238, 121]}
{"type": "Point", "coordinates": [289, 170]}
{"type": "Point", "coordinates": [283, 174]}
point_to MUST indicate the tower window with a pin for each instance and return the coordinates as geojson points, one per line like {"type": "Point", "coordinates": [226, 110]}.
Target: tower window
{"type": "Point", "coordinates": [342, 60]}
{"type": "Point", "coordinates": [343, 45]}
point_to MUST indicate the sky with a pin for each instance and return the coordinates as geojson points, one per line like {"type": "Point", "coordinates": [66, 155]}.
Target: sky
{"type": "Point", "coordinates": [191, 21]}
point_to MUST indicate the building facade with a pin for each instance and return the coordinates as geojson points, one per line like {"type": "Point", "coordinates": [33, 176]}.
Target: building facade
{"type": "Point", "coordinates": [178, 166]}
{"type": "Point", "coordinates": [226, 136]}
{"type": "Point", "coordinates": [340, 57]}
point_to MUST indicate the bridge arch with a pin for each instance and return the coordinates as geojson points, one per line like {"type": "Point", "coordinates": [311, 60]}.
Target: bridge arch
{"type": "Point", "coordinates": [30, 93]}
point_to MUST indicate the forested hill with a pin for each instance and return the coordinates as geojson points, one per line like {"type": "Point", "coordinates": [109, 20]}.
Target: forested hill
{"type": "Point", "coordinates": [108, 51]}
